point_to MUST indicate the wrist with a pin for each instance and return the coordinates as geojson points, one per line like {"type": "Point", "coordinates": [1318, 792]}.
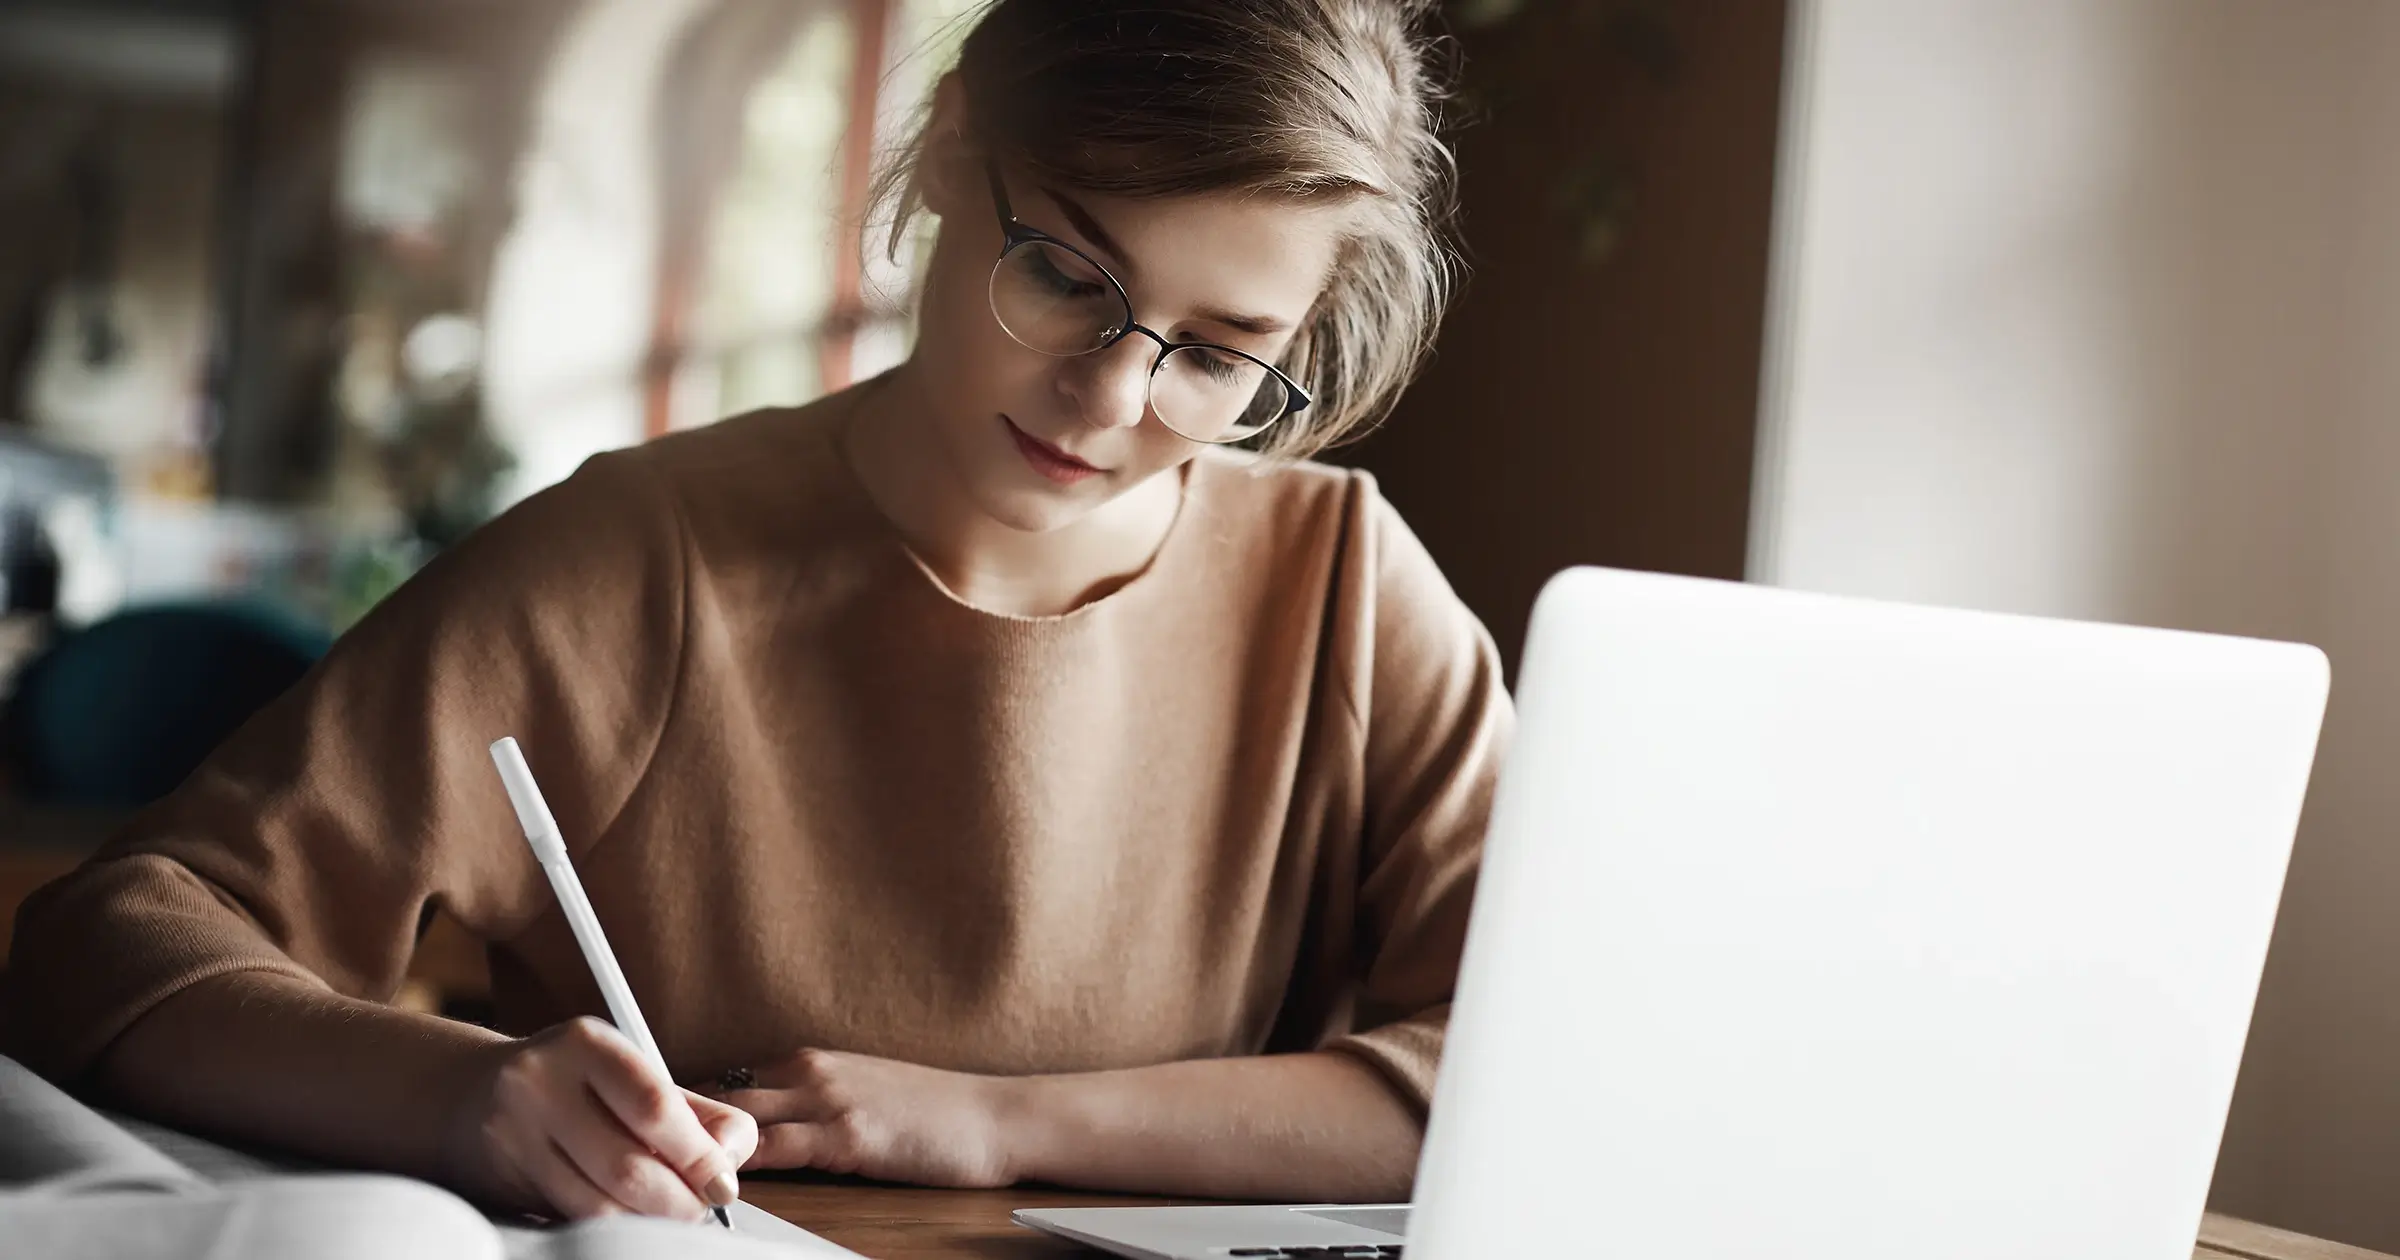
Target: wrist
{"type": "Point", "coordinates": [1023, 1127]}
{"type": "Point", "coordinates": [464, 1084]}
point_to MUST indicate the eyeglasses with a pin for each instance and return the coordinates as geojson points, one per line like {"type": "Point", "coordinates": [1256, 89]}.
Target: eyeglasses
{"type": "Point", "coordinates": [1049, 297]}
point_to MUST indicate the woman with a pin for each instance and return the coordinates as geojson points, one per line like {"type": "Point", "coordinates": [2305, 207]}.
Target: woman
{"type": "Point", "coordinates": [986, 773]}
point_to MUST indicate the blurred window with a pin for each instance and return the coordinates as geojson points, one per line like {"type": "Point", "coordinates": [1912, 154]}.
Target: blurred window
{"type": "Point", "coordinates": [787, 297]}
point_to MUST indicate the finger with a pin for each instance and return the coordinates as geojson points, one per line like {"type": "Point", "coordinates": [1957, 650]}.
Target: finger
{"type": "Point", "coordinates": [735, 1130]}
{"type": "Point", "coordinates": [781, 1106]}
{"type": "Point", "coordinates": [623, 1166]}
{"type": "Point", "coordinates": [805, 1068]}
{"type": "Point", "coordinates": [570, 1193]}
{"type": "Point", "coordinates": [661, 1118]}
{"type": "Point", "coordinates": [815, 1146]}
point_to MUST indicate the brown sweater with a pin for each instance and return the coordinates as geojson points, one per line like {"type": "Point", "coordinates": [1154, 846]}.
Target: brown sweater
{"type": "Point", "coordinates": [1233, 807]}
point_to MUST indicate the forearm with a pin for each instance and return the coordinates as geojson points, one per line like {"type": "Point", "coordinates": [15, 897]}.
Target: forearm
{"type": "Point", "coordinates": [263, 1058]}
{"type": "Point", "coordinates": [1319, 1127]}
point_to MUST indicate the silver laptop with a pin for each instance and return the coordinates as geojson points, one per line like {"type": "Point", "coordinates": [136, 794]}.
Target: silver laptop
{"type": "Point", "coordinates": [1826, 929]}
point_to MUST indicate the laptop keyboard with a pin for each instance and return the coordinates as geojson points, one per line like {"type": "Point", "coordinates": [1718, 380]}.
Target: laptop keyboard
{"type": "Point", "coordinates": [1347, 1251]}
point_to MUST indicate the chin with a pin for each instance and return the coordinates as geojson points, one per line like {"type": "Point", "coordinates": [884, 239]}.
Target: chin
{"type": "Point", "coordinates": [1035, 510]}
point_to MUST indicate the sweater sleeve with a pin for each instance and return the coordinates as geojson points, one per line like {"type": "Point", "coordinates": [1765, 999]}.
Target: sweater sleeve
{"type": "Point", "coordinates": [1438, 720]}
{"type": "Point", "coordinates": [315, 842]}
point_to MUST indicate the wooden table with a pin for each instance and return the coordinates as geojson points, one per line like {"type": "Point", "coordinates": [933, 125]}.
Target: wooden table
{"type": "Point", "coordinates": [902, 1223]}
{"type": "Point", "coordinates": [2222, 1237]}
{"type": "Point", "coordinates": [894, 1223]}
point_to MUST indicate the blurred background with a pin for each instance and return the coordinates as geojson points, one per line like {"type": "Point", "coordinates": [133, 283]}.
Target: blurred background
{"type": "Point", "coordinates": [2072, 307]}
{"type": "Point", "coordinates": [294, 293]}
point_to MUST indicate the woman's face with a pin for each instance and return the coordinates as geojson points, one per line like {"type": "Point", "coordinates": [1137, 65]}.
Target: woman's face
{"type": "Point", "coordinates": [1039, 441]}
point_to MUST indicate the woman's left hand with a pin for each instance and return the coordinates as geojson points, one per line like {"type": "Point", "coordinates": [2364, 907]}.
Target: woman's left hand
{"type": "Point", "coordinates": [880, 1118]}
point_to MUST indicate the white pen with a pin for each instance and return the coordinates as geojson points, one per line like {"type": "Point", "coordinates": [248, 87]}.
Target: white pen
{"type": "Point", "coordinates": [549, 848]}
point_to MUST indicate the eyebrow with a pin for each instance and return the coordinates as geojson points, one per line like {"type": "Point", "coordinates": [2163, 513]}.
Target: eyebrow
{"type": "Point", "coordinates": [1091, 229]}
{"type": "Point", "coordinates": [1255, 325]}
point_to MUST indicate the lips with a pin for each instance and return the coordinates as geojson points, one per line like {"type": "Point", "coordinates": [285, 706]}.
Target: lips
{"type": "Point", "coordinates": [1048, 460]}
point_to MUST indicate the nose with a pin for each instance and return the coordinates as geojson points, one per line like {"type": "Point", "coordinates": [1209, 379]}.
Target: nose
{"type": "Point", "coordinates": [1111, 388]}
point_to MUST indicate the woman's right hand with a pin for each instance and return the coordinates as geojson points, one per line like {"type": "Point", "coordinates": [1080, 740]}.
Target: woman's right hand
{"type": "Point", "coordinates": [573, 1122]}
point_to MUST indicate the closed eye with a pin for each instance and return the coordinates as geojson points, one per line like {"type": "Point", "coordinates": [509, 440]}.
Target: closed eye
{"type": "Point", "coordinates": [1045, 271]}
{"type": "Point", "coordinates": [1223, 366]}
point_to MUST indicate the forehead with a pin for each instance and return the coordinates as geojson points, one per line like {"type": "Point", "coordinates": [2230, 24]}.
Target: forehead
{"type": "Point", "coordinates": [1248, 254]}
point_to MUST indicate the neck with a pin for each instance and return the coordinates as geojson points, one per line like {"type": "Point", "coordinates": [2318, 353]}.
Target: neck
{"type": "Point", "coordinates": [888, 439]}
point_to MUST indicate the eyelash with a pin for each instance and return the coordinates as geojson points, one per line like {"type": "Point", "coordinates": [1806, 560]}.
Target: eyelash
{"type": "Point", "coordinates": [1224, 367]}
{"type": "Point", "coordinates": [1066, 285]}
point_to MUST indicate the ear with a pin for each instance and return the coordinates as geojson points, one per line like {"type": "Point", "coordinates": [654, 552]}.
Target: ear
{"type": "Point", "coordinates": [950, 170]}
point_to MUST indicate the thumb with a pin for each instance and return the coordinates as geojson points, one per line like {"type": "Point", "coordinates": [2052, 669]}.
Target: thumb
{"type": "Point", "coordinates": [734, 1130]}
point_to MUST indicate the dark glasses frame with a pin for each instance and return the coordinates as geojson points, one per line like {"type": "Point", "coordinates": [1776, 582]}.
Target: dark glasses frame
{"type": "Point", "coordinates": [1015, 235]}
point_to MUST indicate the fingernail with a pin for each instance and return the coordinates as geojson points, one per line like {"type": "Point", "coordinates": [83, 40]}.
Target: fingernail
{"type": "Point", "coordinates": [721, 1191]}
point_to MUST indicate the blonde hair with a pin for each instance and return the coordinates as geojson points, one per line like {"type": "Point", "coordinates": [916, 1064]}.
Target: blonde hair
{"type": "Point", "coordinates": [1303, 99]}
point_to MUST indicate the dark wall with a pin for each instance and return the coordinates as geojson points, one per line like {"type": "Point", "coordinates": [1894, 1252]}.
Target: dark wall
{"type": "Point", "coordinates": [1598, 413]}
